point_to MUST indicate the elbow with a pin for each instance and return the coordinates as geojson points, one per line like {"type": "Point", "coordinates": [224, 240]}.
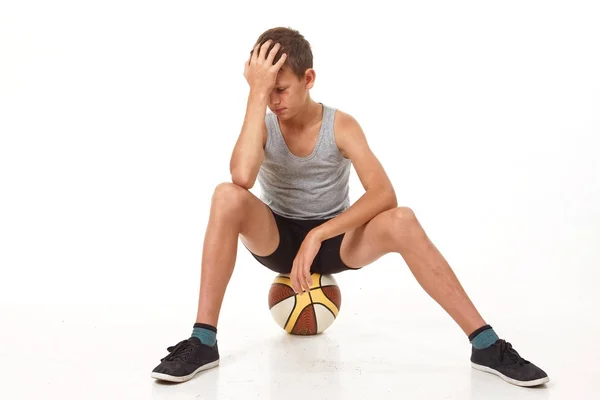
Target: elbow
{"type": "Point", "coordinates": [243, 184]}
{"type": "Point", "coordinates": [392, 200]}
{"type": "Point", "coordinates": [241, 180]}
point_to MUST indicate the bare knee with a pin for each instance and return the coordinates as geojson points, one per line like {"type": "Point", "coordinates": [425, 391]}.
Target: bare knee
{"type": "Point", "coordinates": [404, 225]}
{"type": "Point", "coordinates": [404, 215]}
{"type": "Point", "coordinates": [229, 199]}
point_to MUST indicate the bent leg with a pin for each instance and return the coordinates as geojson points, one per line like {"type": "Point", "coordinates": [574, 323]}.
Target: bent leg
{"type": "Point", "coordinates": [235, 212]}
{"type": "Point", "coordinates": [399, 230]}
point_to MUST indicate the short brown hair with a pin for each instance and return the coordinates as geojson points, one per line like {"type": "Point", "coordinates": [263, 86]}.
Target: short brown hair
{"type": "Point", "coordinates": [299, 54]}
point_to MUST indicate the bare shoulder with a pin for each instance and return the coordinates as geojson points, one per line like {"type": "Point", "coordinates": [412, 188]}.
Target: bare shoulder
{"type": "Point", "coordinates": [353, 144]}
{"type": "Point", "coordinates": [343, 119]}
{"type": "Point", "coordinates": [347, 132]}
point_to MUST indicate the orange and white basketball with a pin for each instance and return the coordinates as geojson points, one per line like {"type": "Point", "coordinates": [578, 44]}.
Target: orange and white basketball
{"type": "Point", "coordinates": [306, 313]}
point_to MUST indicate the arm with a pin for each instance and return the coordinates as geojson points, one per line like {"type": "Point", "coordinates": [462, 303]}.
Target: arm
{"type": "Point", "coordinates": [379, 196]}
{"type": "Point", "coordinates": [248, 153]}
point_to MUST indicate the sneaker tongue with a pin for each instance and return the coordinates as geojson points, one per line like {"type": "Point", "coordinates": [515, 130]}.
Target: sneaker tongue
{"type": "Point", "coordinates": [511, 354]}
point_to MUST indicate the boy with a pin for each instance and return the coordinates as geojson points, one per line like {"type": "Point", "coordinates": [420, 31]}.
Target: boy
{"type": "Point", "coordinates": [301, 154]}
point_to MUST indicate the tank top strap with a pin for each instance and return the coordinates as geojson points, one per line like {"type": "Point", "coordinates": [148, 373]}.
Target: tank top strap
{"type": "Point", "coordinates": [272, 129]}
{"type": "Point", "coordinates": [328, 120]}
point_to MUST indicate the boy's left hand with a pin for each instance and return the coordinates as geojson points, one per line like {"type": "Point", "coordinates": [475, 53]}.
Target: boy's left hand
{"type": "Point", "coordinates": [300, 276]}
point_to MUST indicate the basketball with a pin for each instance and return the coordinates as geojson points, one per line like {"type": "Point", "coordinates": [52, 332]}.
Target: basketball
{"type": "Point", "coordinates": [308, 313]}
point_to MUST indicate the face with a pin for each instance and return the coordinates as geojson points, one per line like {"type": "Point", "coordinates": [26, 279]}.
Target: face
{"type": "Point", "coordinates": [290, 93]}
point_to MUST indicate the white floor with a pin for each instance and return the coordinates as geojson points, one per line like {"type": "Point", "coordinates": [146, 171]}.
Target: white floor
{"type": "Point", "coordinates": [385, 344]}
{"type": "Point", "coordinates": [115, 131]}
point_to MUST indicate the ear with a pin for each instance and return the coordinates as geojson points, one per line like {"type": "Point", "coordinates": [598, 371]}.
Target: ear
{"type": "Point", "coordinates": [309, 78]}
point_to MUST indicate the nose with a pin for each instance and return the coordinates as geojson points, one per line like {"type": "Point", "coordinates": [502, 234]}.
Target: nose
{"type": "Point", "coordinates": [274, 98]}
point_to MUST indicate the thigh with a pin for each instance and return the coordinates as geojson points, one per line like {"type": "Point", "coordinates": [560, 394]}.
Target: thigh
{"type": "Point", "coordinates": [258, 228]}
{"type": "Point", "coordinates": [266, 235]}
{"type": "Point", "coordinates": [247, 214]}
{"type": "Point", "coordinates": [367, 243]}
{"type": "Point", "coordinates": [281, 259]}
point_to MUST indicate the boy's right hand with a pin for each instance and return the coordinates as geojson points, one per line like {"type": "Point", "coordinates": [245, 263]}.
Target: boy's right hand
{"type": "Point", "coordinates": [259, 70]}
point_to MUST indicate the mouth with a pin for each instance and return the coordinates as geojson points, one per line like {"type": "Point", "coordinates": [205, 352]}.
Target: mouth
{"type": "Point", "coordinates": [279, 111]}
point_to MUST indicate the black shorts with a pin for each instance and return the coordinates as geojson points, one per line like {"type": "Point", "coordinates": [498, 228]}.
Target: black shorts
{"type": "Point", "coordinates": [291, 234]}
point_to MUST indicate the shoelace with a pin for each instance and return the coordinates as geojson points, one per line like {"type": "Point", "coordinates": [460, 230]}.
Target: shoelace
{"type": "Point", "coordinates": [179, 351]}
{"type": "Point", "coordinates": [507, 351]}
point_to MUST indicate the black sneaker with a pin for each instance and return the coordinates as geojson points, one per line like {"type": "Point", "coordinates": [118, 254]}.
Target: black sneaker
{"type": "Point", "coordinates": [502, 360]}
{"type": "Point", "coordinates": [185, 360]}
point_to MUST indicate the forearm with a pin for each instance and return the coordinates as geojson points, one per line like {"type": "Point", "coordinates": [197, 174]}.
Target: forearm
{"type": "Point", "coordinates": [248, 152]}
{"type": "Point", "coordinates": [370, 204]}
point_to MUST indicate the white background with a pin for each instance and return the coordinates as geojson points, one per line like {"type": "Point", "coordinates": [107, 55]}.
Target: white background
{"type": "Point", "coordinates": [118, 118]}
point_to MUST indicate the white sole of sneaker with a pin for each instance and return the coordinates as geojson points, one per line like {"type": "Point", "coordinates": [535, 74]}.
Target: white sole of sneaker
{"type": "Point", "coordinates": [170, 378]}
{"type": "Point", "coordinates": [510, 380]}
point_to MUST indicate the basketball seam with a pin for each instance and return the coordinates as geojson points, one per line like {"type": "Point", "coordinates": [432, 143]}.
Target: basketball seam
{"type": "Point", "coordinates": [301, 311]}
{"type": "Point", "coordinates": [311, 303]}
{"type": "Point", "coordinates": [327, 308]}
{"type": "Point", "coordinates": [290, 314]}
{"type": "Point", "coordinates": [314, 311]}
{"type": "Point", "coordinates": [285, 298]}
{"type": "Point", "coordinates": [338, 306]}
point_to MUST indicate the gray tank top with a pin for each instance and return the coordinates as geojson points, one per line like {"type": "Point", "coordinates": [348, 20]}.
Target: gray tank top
{"type": "Point", "coordinates": [313, 187]}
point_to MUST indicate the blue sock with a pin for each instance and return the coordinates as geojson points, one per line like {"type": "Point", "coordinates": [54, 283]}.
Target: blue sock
{"type": "Point", "coordinates": [483, 337]}
{"type": "Point", "coordinates": [206, 333]}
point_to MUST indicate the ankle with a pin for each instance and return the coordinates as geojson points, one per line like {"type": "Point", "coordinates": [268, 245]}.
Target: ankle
{"type": "Point", "coordinates": [206, 333]}
{"type": "Point", "coordinates": [483, 337]}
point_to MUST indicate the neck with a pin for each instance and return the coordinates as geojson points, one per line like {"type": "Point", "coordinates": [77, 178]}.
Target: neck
{"type": "Point", "coordinates": [307, 115]}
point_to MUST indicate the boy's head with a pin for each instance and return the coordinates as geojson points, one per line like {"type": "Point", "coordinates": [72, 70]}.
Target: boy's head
{"type": "Point", "coordinates": [296, 76]}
